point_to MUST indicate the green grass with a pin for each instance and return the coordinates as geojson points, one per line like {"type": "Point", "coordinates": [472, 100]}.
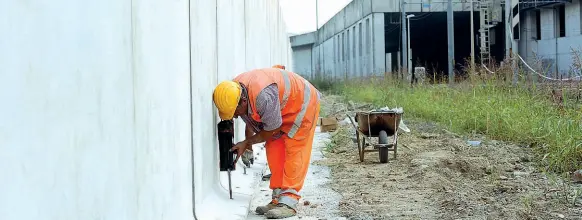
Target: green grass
{"type": "Point", "coordinates": [518, 114]}
{"type": "Point", "coordinates": [322, 84]}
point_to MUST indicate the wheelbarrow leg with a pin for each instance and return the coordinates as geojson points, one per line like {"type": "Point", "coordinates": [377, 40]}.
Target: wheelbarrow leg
{"type": "Point", "coordinates": [395, 150]}
{"type": "Point", "coordinates": [361, 143]}
{"type": "Point", "coordinates": [395, 143]}
{"type": "Point", "coordinates": [363, 152]}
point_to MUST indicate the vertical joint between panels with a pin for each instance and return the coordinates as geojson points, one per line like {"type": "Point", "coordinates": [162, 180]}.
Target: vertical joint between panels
{"type": "Point", "coordinates": [192, 165]}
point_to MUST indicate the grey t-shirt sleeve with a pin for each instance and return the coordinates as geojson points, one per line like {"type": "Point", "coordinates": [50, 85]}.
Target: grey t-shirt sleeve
{"type": "Point", "coordinates": [268, 107]}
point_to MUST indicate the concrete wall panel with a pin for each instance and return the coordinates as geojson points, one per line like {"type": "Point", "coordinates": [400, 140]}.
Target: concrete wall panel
{"type": "Point", "coordinates": [316, 71]}
{"type": "Point", "coordinates": [555, 53]}
{"type": "Point", "coordinates": [204, 75]}
{"type": "Point", "coordinates": [257, 38]}
{"type": "Point", "coordinates": [385, 6]}
{"type": "Point", "coordinates": [117, 97]}
{"type": "Point", "coordinates": [347, 17]}
{"type": "Point", "coordinates": [161, 106]}
{"type": "Point", "coordinates": [302, 61]}
{"type": "Point", "coordinates": [379, 53]}
{"type": "Point", "coordinates": [548, 23]}
{"type": "Point", "coordinates": [369, 48]}
{"type": "Point", "coordinates": [366, 7]}
{"type": "Point", "coordinates": [559, 52]}
{"type": "Point", "coordinates": [231, 51]}
{"type": "Point", "coordinates": [573, 19]}
{"type": "Point", "coordinates": [339, 22]}
{"type": "Point", "coordinates": [349, 46]}
{"type": "Point", "coordinates": [353, 52]}
{"type": "Point", "coordinates": [528, 44]}
{"type": "Point", "coordinates": [341, 68]}
{"type": "Point", "coordinates": [329, 57]}
{"type": "Point", "coordinates": [55, 129]}
{"type": "Point", "coordinates": [354, 11]}
{"type": "Point", "coordinates": [303, 39]}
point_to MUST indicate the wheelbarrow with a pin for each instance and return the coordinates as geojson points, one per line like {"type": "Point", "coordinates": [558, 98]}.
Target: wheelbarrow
{"type": "Point", "coordinates": [380, 124]}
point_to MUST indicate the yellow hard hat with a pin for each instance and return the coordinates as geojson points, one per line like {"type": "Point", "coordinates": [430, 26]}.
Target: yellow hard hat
{"type": "Point", "coordinates": [226, 96]}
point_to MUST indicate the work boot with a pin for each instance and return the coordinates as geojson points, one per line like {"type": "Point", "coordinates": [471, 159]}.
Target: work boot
{"type": "Point", "coordinates": [261, 210]}
{"type": "Point", "coordinates": [281, 211]}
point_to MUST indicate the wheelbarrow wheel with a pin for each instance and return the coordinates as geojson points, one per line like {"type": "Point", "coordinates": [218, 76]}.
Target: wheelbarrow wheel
{"type": "Point", "coordinates": [383, 151]}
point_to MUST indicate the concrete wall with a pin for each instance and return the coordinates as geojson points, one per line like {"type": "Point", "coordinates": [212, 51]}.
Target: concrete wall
{"type": "Point", "coordinates": [420, 5]}
{"type": "Point", "coordinates": [347, 17]}
{"type": "Point", "coordinates": [528, 43]}
{"type": "Point", "coordinates": [358, 9]}
{"type": "Point", "coordinates": [107, 110]}
{"type": "Point", "coordinates": [355, 52]}
{"type": "Point", "coordinates": [302, 61]}
{"type": "Point", "coordinates": [553, 50]}
{"type": "Point", "coordinates": [302, 39]}
{"type": "Point", "coordinates": [335, 44]}
{"type": "Point", "coordinates": [378, 50]}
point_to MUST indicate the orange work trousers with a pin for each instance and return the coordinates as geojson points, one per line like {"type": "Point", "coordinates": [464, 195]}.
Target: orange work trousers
{"type": "Point", "coordinates": [288, 161]}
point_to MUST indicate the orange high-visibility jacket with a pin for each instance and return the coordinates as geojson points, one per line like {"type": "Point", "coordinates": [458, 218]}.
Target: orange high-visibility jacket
{"type": "Point", "coordinates": [297, 97]}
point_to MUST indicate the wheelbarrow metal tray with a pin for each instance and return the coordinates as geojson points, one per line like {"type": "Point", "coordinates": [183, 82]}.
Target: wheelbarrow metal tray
{"type": "Point", "coordinates": [375, 121]}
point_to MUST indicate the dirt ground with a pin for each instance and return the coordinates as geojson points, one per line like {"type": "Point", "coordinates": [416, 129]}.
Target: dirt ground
{"type": "Point", "coordinates": [438, 175]}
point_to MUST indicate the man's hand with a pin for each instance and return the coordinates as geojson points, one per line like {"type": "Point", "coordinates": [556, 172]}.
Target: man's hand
{"type": "Point", "coordinates": [240, 148]}
{"type": "Point", "coordinates": [249, 146]}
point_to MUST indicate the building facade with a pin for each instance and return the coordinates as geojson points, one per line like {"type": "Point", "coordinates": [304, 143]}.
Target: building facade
{"type": "Point", "coordinates": [551, 37]}
{"type": "Point", "coordinates": [365, 38]}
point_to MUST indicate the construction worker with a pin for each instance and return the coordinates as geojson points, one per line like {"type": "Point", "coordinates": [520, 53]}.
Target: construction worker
{"type": "Point", "coordinates": [281, 108]}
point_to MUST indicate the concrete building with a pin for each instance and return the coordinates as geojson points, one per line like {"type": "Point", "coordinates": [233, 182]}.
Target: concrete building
{"type": "Point", "coordinates": [302, 53]}
{"type": "Point", "coordinates": [365, 37]}
{"type": "Point", "coordinates": [549, 34]}
{"type": "Point", "coordinates": [106, 106]}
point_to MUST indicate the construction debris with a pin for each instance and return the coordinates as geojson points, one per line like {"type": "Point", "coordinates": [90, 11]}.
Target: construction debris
{"type": "Point", "coordinates": [328, 124]}
{"type": "Point", "coordinates": [577, 177]}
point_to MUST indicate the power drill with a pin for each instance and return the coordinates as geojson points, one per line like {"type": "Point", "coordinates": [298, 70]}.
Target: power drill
{"type": "Point", "coordinates": [225, 143]}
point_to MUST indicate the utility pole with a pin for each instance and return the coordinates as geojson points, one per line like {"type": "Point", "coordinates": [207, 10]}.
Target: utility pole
{"type": "Point", "coordinates": [451, 43]}
{"type": "Point", "coordinates": [318, 66]}
{"type": "Point", "coordinates": [409, 60]}
{"type": "Point", "coordinates": [404, 58]}
{"type": "Point", "coordinates": [316, 16]}
{"type": "Point", "coordinates": [507, 30]}
{"type": "Point", "coordinates": [472, 38]}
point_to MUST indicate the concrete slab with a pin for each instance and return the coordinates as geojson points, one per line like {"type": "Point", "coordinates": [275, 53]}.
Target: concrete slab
{"type": "Point", "coordinates": [323, 201]}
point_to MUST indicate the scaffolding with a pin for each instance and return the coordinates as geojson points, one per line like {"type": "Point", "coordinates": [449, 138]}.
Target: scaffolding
{"type": "Point", "coordinates": [489, 16]}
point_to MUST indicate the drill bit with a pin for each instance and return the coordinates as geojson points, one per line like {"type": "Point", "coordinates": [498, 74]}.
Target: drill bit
{"type": "Point", "coordinates": [229, 184]}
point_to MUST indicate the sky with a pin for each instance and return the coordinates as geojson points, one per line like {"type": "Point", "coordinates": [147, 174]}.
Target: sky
{"type": "Point", "coordinates": [299, 15]}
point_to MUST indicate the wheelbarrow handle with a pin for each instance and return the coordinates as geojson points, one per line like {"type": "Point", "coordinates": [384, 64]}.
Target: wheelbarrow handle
{"type": "Point", "coordinates": [358, 130]}
{"type": "Point", "coordinates": [353, 123]}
